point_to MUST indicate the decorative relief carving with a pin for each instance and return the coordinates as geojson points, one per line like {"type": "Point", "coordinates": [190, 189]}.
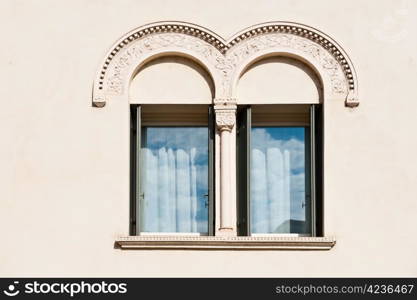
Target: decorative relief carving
{"type": "Point", "coordinates": [157, 42]}
{"type": "Point", "coordinates": [225, 57]}
{"type": "Point", "coordinates": [251, 46]}
{"type": "Point", "coordinates": [225, 119]}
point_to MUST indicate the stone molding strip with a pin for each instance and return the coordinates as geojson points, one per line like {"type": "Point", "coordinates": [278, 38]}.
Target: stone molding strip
{"type": "Point", "coordinates": [224, 243]}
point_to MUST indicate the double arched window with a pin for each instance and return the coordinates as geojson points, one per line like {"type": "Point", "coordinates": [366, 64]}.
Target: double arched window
{"type": "Point", "coordinates": [226, 136]}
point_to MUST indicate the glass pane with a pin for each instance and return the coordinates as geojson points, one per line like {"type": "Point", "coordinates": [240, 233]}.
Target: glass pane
{"type": "Point", "coordinates": [174, 179]}
{"type": "Point", "coordinates": [278, 180]}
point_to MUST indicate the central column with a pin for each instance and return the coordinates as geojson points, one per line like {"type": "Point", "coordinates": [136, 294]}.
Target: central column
{"type": "Point", "coordinates": [225, 111]}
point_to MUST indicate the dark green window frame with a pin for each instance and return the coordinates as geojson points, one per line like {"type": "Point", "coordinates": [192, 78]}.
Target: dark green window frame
{"type": "Point", "coordinates": [314, 169]}
{"type": "Point", "coordinates": [135, 190]}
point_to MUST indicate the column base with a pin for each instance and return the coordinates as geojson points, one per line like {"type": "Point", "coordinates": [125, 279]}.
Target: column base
{"type": "Point", "coordinates": [226, 231]}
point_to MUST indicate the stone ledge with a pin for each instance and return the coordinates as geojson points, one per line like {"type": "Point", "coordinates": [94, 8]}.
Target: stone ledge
{"type": "Point", "coordinates": [224, 243]}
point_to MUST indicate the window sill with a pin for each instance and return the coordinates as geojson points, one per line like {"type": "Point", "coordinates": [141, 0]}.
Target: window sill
{"type": "Point", "coordinates": [224, 243]}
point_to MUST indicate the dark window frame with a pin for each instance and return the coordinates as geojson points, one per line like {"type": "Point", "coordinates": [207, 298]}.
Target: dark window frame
{"type": "Point", "coordinates": [135, 190]}
{"type": "Point", "coordinates": [314, 168]}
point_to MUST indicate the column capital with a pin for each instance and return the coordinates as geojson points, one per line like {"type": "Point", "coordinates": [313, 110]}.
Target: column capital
{"type": "Point", "coordinates": [225, 119]}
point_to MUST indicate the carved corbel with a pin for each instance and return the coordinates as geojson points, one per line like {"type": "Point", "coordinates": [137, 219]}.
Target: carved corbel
{"type": "Point", "coordinates": [99, 101]}
{"type": "Point", "coordinates": [351, 100]}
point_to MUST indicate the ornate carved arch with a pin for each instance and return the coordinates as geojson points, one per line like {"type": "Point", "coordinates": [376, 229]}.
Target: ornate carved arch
{"type": "Point", "coordinates": [225, 60]}
{"type": "Point", "coordinates": [307, 44]}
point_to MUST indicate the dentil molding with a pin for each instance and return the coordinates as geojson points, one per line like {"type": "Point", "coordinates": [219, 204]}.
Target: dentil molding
{"type": "Point", "coordinates": [226, 60]}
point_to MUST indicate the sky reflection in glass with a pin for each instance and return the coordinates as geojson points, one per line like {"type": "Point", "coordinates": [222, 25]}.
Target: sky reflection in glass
{"type": "Point", "coordinates": [174, 179]}
{"type": "Point", "coordinates": [278, 186]}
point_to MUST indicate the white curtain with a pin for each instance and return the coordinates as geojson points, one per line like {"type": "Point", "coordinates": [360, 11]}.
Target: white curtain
{"type": "Point", "coordinates": [270, 190]}
{"type": "Point", "coordinates": [169, 186]}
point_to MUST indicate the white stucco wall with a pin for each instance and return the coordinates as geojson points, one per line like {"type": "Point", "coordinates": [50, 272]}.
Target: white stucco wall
{"type": "Point", "coordinates": [64, 179]}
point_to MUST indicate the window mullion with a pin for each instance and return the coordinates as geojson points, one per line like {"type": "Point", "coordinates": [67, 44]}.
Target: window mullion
{"type": "Point", "coordinates": [133, 130]}
{"type": "Point", "coordinates": [138, 162]}
{"type": "Point", "coordinates": [211, 162]}
{"type": "Point", "coordinates": [318, 172]}
{"type": "Point", "coordinates": [243, 170]}
{"type": "Point", "coordinates": [313, 194]}
{"type": "Point", "coordinates": [248, 165]}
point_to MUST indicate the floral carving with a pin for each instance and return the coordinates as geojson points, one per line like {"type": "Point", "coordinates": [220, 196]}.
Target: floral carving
{"type": "Point", "coordinates": [225, 119]}
{"type": "Point", "coordinates": [157, 42]}
{"type": "Point", "coordinates": [224, 57]}
{"type": "Point", "coordinates": [251, 46]}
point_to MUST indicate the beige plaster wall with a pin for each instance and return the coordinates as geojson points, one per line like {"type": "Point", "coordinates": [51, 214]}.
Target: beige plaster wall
{"type": "Point", "coordinates": [287, 81]}
{"type": "Point", "coordinates": [171, 79]}
{"type": "Point", "coordinates": [64, 164]}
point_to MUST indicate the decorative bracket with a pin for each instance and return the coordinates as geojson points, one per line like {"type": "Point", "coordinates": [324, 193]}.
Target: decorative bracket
{"type": "Point", "coordinates": [351, 100]}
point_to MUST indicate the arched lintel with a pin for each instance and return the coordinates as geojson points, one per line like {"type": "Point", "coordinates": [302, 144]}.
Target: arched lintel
{"type": "Point", "coordinates": [100, 98]}
{"type": "Point", "coordinates": [173, 53]}
{"type": "Point", "coordinates": [317, 37]}
{"type": "Point", "coordinates": [99, 93]}
{"type": "Point", "coordinates": [219, 67]}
